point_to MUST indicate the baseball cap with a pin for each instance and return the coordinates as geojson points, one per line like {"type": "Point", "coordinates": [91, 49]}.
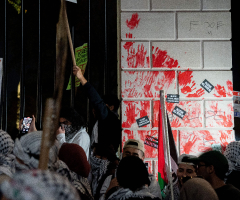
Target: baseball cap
{"type": "Point", "coordinates": [215, 158]}
{"type": "Point", "coordinates": [137, 144]}
{"type": "Point", "coordinates": [184, 159]}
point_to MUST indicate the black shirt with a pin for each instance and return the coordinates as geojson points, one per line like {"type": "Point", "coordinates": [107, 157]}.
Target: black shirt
{"type": "Point", "coordinates": [228, 192]}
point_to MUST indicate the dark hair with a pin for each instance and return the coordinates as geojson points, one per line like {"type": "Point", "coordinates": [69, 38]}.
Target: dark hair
{"type": "Point", "coordinates": [72, 115]}
{"type": "Point", "coordinates": [111, 100]}
{"type": "Point", "coordinates": [104, 150]}
{"type": "Point", "coordinates": [132, 173]}
{"type": "Point", "coordinates": [186, 160]}
{"type": "Point", "coordinates": [220, 171]}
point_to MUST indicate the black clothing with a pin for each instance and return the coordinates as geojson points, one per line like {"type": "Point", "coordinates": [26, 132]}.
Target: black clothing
{"type": "Point", "coordinates": [228, 192]}
{"type": "Point", "coordinates": [233, 179]}
{"type": "Point", "coordinates": [109, 126]}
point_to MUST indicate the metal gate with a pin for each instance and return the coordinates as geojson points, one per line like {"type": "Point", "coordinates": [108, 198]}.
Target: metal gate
{"type": "Point", "coordinates": [28, 49]}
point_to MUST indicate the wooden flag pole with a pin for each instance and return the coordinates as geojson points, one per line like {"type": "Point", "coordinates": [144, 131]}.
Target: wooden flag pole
{"type": "Point", "coordinates": [47, 129]}
{"type": "Point", "coordinates": [68, 33]}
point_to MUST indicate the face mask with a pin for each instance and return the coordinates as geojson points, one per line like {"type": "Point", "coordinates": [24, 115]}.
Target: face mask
{"type": "Point", "coordinates": [69, 132]}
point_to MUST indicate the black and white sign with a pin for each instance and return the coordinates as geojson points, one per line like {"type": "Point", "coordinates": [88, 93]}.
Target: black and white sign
{"type": "Point", "coordinates": [179, 112]}
{"type": "Point", "coordinates": [143, 121]}
{"type": "Point", "coordinates": [172, 98]}
{"type": "Point", "coordinates": [151, 141]}
{"type": "Point", "coordinates": [206, 85]}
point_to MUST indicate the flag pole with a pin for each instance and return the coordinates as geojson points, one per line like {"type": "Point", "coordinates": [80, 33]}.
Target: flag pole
{"type": "Point", "coordinates": [166, 140]}
{"type": "Point", "coordinates": [68, 33]}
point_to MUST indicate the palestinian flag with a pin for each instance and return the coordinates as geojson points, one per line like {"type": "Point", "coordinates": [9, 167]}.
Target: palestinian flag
{"type": "Point", "coordinates": [166, 146]}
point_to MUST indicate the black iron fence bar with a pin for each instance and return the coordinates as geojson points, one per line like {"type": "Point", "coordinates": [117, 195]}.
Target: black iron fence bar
{"type": "Point", "coordinates": [89, 56]}
{"type": "Point", "coordinates": [105, 49]}
{"type": "Point", "coordinates": [72, 77]}
{"type": "Point", "coordinates": [22, 78]}
{"type": "Point", "coordinates": [39, 81]}
{"type": "Point", "coordinates": [4, 76]}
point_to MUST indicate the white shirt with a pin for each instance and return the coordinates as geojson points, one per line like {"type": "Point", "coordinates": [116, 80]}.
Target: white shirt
{"type": "Point", "coordinates": [81, 138]}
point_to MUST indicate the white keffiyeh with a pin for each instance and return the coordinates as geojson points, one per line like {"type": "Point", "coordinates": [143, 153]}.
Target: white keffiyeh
{"type": "Point", "coordinates": [28, 149]}
{"type": "Point", "coordinates": [39, 185]}
{"type": "Point", "coordinates": [7, 159]}
{"type": "Point", "coordinates": [232, 154]}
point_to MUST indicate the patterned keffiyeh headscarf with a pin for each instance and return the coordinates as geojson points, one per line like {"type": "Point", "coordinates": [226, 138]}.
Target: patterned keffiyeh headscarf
{"type": "Point", "coordinates": [7, 159]}
{"type": "Point", "coordinates": [39, 185]}
{"type": "Point", "coordinates": [28, 149]}
{"type": "Point", "coordinates": [232, 154]}
{"type": "Point", "coordinates": [98, 169]}
{"type": "Point", "coordinates": [79, 182]}
{"type": "Point", "coordinates": [126, 193]}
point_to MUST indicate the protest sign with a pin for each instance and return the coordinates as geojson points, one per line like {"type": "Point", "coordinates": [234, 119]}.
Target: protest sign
{"type": "Point", "coordinates": [172, 98]}
{"type": "Point", "coordinates": [81, 56]}
{"type": "Point", "coordinates": [143, 121]}
{"type": "Point", "coordinates": [236, 103]}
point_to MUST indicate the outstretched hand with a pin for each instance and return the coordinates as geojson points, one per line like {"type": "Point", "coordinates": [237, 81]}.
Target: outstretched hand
{"type": "Point", "coordinates": [78, 73]}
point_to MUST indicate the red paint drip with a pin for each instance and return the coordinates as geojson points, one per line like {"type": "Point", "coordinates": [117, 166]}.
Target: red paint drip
{"type": "Point", "coordinates": [185, 78]}
{"type": "Point", "coordinates": [128, 45]}
{"type": "Point", "coordinates": [130, 114]}
{"type": "Point", "coordinates": [160, 59]}
{"type": "Point", "coordinates": [175, 123]}
{"type": "Point", "coordinates": [188, 146]}
{"type": "Point", "coordinates": [198, 93]}
{"type": "Point", "coordinates": [129, 35]}
{"type": "Point", "coordinates": [223, 139]}
{"type": "Point", "coordinates": [230, 88]}
{"type": "Point", "coordinates": [221, 92]}
{"type": "Point", "coordinates": [226, 119]}
{"type": "Point", "coordinates": [169, 77]}
{"type": "Point", "coordinates": [133, 22]}
{"type": "Point", "coordinates": [137, 58]}
{"type": "Point", "coordinates": [187, 89]}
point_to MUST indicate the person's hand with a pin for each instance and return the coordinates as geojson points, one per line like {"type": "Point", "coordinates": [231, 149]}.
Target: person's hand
{"type": "Point", "coordinates": [78, 73]}
{"type": "Point", "coordinates": [113, 183]}
{"type": "Point", "coordinates": [20, 125]}
{"type": "Point", "coordinates": [32, 127]}
{"type": "Point", "coordinates": [60, 130]}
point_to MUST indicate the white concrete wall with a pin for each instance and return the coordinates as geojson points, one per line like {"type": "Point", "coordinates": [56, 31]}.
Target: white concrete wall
{"type": "Point", "coordinates": [175, 45]}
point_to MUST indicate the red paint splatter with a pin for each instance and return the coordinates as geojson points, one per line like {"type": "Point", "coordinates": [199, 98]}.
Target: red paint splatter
{"type": "Point", "coordinates": [160, 59]}
{"type": "Point", "coordinates": [128, 45]}
{"type": "Point", "coordinates": [170, 106]}
{"type": "Point", "coordinates": [230, 88]}
{"type": "Point", "coordinates": [128, 35]}
{"type": "Point", "coordinates": [207, 135]}
{"type": "Point", "coordinates": [222, 119]}
{"type": "Point", "coordinates": [221, 92]}
{"type": "Point", "coordinates": [187, 89]}
{"type": "Point", "coordinates": [169, 78]}
{"type": "Point", "coordinates": [188, 146]}
{"type": "Point", "coordinates": [175, 123]}
{"type": "Point", "coordinates": [130, 114]}
{"type": "Point", "coordinates": [198, 93]}
{"type": "Point", "coordinates": [185, 78]}
{"type": "Point", "coordinates": [144, 83]}
{"type": "Point", "coordinates": [133, 112]}
{"type": "Point", "coordinates": [133, 22]}
{"type": "Point", "coordinates": [145, 108]}
{"type": "Point", "coordinates": [137, 58]}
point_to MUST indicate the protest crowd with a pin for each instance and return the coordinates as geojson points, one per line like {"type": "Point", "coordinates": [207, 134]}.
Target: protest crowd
{"type": "Point", "coordinates": [80, 167]}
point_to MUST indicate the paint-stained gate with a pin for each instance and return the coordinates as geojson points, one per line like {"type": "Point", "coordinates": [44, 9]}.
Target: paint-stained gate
{"type": "Point", "coordinates": [155, 56]}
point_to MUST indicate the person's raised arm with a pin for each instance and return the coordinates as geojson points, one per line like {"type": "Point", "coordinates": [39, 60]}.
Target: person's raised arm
{"type": "Point", "coordinates": [78, 73]}
{"type": "Point", "coordinates": [95, 99]}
